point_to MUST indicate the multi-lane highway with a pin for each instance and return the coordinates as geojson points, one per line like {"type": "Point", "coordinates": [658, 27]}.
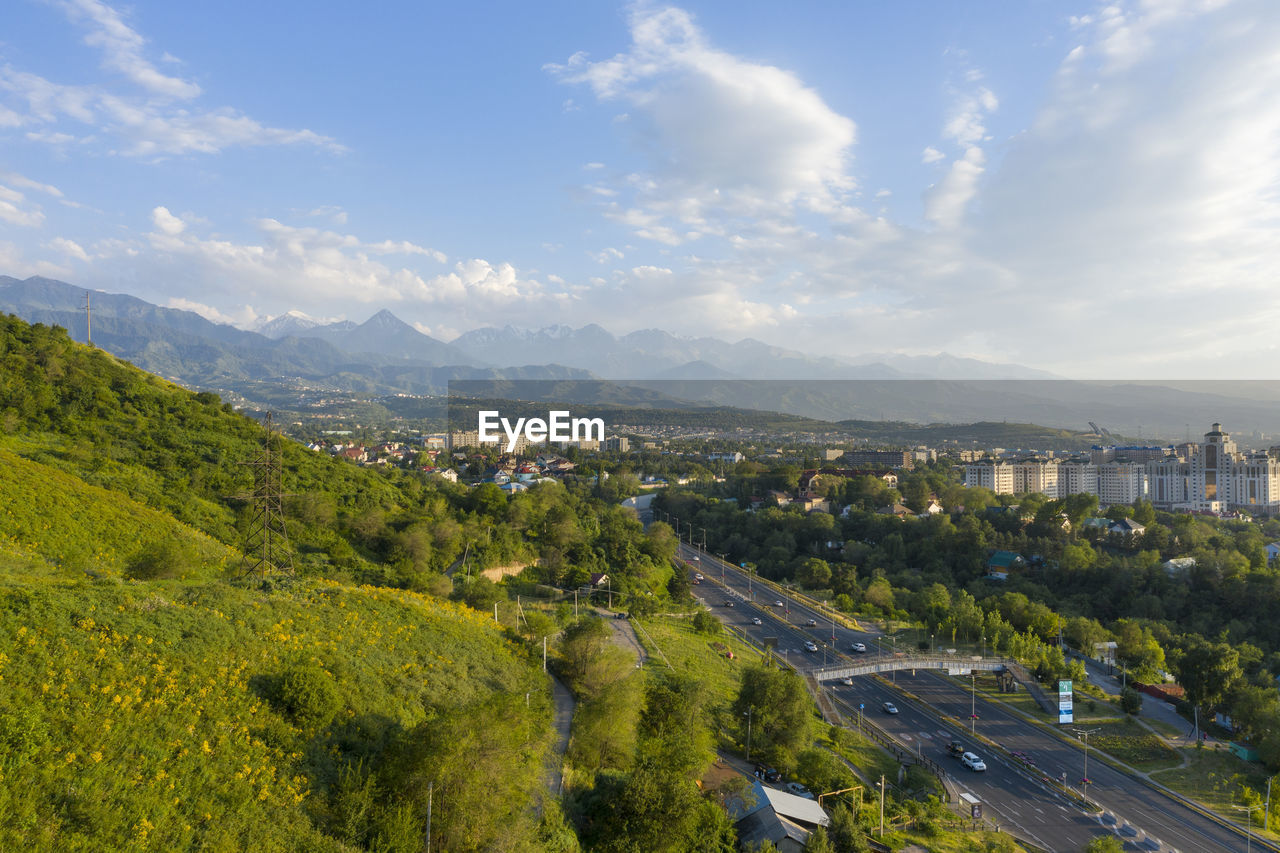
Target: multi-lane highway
{"type": "Point", "coordinates": [1143, 817]}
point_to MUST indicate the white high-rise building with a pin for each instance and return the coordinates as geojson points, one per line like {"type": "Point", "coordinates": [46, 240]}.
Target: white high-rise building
{"type": "Point", "coordinates": [1121, 482]}
{"type": "Point", "coordinates": [1217, 476]}
{"type": "Point", "coordinates": [996, 476]}
{"type": "Point", "coordinates": [1077, 477]}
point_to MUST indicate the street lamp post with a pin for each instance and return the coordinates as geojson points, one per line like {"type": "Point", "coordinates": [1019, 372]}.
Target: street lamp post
{"type": "Point", "coordinates": [1084, 736]}
{"type": "Point", "coordinates": [984, 645]}
{"type": "Point", "coordinates": [748, 716]}
{"type": "Point", "coordinates": [1248, 835]}
{"type": "Point", "coordinates": [895, 658]}
{"type": "Point", "coordinates": [973, 689]}
{"type": "Point", "coordinates": [931, 650]}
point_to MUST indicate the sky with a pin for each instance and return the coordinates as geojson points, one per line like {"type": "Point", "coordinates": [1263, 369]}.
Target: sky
{"type": "Point", "coordinates": [1091, 189]}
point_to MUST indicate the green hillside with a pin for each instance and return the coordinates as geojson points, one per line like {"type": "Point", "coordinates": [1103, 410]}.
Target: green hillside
{"type": "Point", "coordinates": [151, 700]}
{"type": "Point", "coordinates": [109, 531]}
{"type": "Point", "coordinates": [174, 716]}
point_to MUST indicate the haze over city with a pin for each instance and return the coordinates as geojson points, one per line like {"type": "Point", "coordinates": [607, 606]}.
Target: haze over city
{"type": "Point", "coordinates": [1079, 187]}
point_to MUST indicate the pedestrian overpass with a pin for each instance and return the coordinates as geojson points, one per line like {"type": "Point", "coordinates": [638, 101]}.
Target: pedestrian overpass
{"type": "Point", "coordinates": [950, 664]}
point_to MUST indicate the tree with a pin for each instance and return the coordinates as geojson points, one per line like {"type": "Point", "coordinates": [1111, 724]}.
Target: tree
{"type": "Point", "coordinates": [818, 842]}
{"type": "Point", "coordinates": [1104, 844]}
{"type": "Point", "coordinates": [779, 711]}
{"type": "Point", "coordinates": [1208, 670]}
{"type": "Point", "coordinates": [1130, 701]}
{"type": "Point", "coordinates": [880, 594]}
{"type": "Point", "coordinates": [814, 574]}
{"type": "Point", "coordinates": [1138, 649]}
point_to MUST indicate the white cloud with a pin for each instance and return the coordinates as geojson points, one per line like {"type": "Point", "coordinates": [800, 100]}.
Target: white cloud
{"type": "Point", "coordinates": [16, 210]}
{"type": "Point", "coordinates": [945, 203]}
{"type": "Point", "coordinates": [727, 135]}
{"type": "Point", "coordinates": [146, 124]}
{"type": "Point", "coordinates": [606, 255]}
{"type": "Point", "coordinates": [168, 224]}
{"type": "Point", "coordinates": [69, 247]}
{"type": "Point", "coordinates": [122, 47]}
{"type": "Point", "coordinates": [244, 318]}
{"type": "Point", "coordinates": [931, 155]}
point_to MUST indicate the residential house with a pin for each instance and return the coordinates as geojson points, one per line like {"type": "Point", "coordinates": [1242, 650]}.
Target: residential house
{"type": "Point", "coordinates": [1001, 563]}
{"type": "Point", "coordinates": [782, 819]}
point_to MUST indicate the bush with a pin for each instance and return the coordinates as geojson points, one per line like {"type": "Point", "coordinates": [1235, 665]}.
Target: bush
{"type": "Point", "coordinates": [166, 558]}
{"type": "Point", "coordinates": [705, 623]}
{"type": "Point", "coordinates": [1130, 701]}
{"type": "Point", "coordinates": [308, 695]}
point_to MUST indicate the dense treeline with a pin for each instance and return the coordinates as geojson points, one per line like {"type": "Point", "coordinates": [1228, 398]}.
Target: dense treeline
{"type": "Point", "coordinates": [1212, 625]}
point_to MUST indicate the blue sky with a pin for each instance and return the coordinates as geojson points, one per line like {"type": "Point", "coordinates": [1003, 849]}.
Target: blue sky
{"type": "Point", "coordinates": [1088, 188]}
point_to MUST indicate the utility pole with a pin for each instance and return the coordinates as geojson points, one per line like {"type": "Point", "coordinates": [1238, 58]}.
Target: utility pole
{"type": "Point", "coordinates": [882, 805]}
{"type": "Point", "coordinates": [544, 654]}
{"type": "Point", "coordinates": [88, 319]}
{"type": "Point", "coordinates": [431, 786]}
{"type": "Point", "coordinates": [749, 710]}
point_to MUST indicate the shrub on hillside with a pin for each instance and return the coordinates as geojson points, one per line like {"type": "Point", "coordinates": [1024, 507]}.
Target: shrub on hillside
{"type": "Point", "coordinates": [166, 558]}
{"type": "Point", "coordinates": [308, 695]}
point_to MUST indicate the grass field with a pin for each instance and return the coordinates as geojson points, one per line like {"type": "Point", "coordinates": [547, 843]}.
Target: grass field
{"type": "Point", "coordinates": [1213, 777]}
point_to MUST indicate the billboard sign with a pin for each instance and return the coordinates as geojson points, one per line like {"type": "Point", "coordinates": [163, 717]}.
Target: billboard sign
{"type": "Point", "coordinates": [1064, 703]}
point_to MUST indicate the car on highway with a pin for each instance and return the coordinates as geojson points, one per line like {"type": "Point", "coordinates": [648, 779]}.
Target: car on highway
{"type": "Point", "coordinates": [779, 603]}
{"type": "Point", "coordinates": [810, 646]}
{"type": "Point", "coordinates": [847, 681]}
{"type": "Point", "coordinates": [812, 623]}
{"type": "Point", "coordinates": [698, 576]}
{"type": "Point", "coordinates": [729, 603]}
{"type": "Point", "coordinates": [889, 708]}
{"type": "Point", "coordinates": [860, 648]}
{"type": "Point", "coordinates": [973, 762]}
{"type": "Point", "coordinates": [956, 749]}
{"type": "Point", "coordinates": [755, 620]}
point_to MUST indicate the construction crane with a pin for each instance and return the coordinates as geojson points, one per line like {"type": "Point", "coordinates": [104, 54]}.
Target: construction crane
{"type": "Point", "coordinates": [1101, 431]}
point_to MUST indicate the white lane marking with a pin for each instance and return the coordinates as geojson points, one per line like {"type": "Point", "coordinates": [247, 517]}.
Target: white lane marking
{"type": "Point", "coordinates": [926, 735]}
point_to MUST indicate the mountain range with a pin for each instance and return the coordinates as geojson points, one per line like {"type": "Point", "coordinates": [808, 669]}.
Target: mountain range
{"type": "Point", "coordinates": [384, 355]}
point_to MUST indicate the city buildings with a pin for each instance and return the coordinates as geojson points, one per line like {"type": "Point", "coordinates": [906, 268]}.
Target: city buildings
{"type": "Point", "coordinates": [1210, 476]}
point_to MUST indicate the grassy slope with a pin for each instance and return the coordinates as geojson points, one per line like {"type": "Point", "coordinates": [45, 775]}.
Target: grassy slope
{"type": "Point", "coordinates": [147, 726]}
{"type": "Point", "coordinates": [57, 519]}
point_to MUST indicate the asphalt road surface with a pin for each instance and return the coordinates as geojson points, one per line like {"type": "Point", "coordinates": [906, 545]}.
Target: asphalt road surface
{"type": "Point", "coordinates": [1142, 817]}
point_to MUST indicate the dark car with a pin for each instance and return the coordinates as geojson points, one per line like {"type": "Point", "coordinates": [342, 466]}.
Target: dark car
{"type": "Point", "coordinates": [728, 604]}
{"type": "Point", "coordinates": [768, 774]}
{"type": "Point", "coordinates": [812, 623]}
{"type": "Point", "coordinates": [956, 749]}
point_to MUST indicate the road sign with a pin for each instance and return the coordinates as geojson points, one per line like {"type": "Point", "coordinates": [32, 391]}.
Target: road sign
{"type": "Point", "coordinates": [1065, 714]}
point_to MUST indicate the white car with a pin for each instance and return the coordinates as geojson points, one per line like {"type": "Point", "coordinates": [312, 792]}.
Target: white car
{"type": "Point", "coordinates": [889, 708]}
{"type": "Point", "coordinates": [698, 576]}
{"type": "Point", "coordinates": [847, 681]}
{"type": "Point", "coordinates": [810, 646]}
{"type": "Point", "coordinates": [973, 762]}
{"type": "Point", "coordinates": [779, 604]}
{"type": "Point", "coordinates": [860, 648]}
{"type": "Point", "coordinates": [755, 620]}
{"type": "Point", "coordinates": [798, 790]}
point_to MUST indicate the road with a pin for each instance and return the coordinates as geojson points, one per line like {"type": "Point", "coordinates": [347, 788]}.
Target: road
{"type": "Point", "coordinates": [1143, 817]}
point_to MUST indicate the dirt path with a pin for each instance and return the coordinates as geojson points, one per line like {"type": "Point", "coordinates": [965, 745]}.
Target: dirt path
{"type": "Point", "coordinates": [562, 721]}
